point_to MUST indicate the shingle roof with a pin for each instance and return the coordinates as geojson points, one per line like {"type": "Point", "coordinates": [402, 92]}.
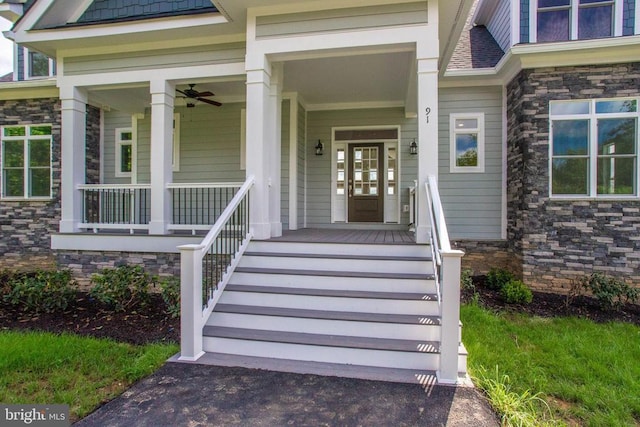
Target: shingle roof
{"type": "Point", "coordinates": [476, 47]}
{"type": "Point", "coordinates": [6, 78]}
{"type": "Point", "coordinates": [101, 11]}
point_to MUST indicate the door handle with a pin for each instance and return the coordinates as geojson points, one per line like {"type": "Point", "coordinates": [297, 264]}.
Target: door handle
{"type": "Point", "coordinates": [350, 190]}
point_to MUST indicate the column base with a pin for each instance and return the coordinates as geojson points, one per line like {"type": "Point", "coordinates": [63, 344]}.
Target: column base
{"type": "Point", "coordinates": [261, 231]}
{"type": "Point", "coordinates": [69, 226]}
{"type": "Point", "coordinates": [276, 229]}
{"type": "Point", "coordinates": [423, 234]}
{"type": "Point", "coordinates": [158, 227]}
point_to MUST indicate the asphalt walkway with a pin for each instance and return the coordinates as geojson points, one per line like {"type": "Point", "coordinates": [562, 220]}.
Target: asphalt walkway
{"type": "Point", "coordinates": [197, 395]}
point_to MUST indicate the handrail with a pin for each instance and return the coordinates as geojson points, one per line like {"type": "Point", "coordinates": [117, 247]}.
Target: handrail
{"type": "Point", "coordinates": [447, 264]}
{"type": "Point", "coordinates": [204, 185]}
{"type": "Point", "coordinates": [205, 269]}
{"type": "Point", "coordinates": [113, 186]}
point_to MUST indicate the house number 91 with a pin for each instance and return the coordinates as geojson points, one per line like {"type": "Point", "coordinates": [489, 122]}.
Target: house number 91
{"type": "Point", "coordinates": [428, 111]}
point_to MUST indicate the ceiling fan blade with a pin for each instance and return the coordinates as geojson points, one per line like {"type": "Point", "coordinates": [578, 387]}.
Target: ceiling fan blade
{"type": "Point", "coordinates": [207, 93]}
{"type": "Point", "coordinates": [185, 94]}
{"type": "Point", "coordinates": [208, 101]}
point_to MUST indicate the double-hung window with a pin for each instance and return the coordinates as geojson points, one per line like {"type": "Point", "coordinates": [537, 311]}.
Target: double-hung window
{"type": "Point", "coordinates": [26, 162]}
{"type": "Point", "coordinates": [561, 20]}
{"type": "Point", "coordinates": [37, 65]}
{"type": "Point", "coordinates": [594, 148]}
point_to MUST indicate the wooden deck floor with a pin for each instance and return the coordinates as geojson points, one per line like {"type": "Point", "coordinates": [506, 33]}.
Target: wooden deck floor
{"type": "Point", "coordinates": [321, 235]}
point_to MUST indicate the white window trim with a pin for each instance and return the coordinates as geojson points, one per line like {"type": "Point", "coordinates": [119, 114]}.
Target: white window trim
{"type": "Point", "coordinates": [592, 116]}
{"type": "Point", "coordinates": [243, 139]}
{"type": "Point", "coordinates": [119, 143]}
{"type": "Point", "coordinates": [453, 168]}
{"type": "Point", "coordinates": [27, 182]}
{"type": "Point", "coordinates": [175, 165]}
{"type": "Point", "coordinates": [618, 19]}
{"type": "Point", "coordinates": [27, 68]}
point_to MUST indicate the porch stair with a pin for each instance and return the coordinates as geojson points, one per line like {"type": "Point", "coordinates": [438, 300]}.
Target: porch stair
{"type": "Point", "coordinates": [364, 311]}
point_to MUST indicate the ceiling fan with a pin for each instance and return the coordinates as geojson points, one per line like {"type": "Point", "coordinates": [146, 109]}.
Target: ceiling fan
{"type": "Point", "coordinates": [191, 93]}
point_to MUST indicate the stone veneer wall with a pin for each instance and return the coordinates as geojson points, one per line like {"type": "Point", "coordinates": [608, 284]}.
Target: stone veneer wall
{"type": "Point", "coordinates": [559, 240]}
{"type": "Point", "coordinates": [26, 226]}
{"type": "Point", "coordinates": [481, 256]}
{"type": "Point", "coordinates": [85, 263]}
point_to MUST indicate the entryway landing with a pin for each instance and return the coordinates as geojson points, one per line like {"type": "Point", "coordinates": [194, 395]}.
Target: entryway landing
{"type": "Point", "coordinates": [334, 235]}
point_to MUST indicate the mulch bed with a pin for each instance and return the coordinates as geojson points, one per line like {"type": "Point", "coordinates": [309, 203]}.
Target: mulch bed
{"type": "Point", "coordinates": [553, 305]}
{"type": "Point", "coordinates": [152, 324]}
{"type": "Point", "coordinates": [90, 318]}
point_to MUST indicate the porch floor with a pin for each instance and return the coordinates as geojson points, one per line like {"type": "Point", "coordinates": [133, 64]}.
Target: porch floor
{"type": "Point", "coordinates": [325, 235]}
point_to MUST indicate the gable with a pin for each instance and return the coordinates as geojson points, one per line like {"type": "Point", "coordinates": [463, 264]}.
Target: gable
{"type": "Point", "coordinates": [102, 11]}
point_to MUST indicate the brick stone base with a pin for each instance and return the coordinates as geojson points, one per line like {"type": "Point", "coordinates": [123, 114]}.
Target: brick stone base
{"type": "Point", "coordinates": [481, 256]}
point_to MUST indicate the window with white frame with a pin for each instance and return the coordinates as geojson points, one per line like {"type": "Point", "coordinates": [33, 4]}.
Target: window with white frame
{"type": "Point", "coordinates": [26, 162]}
{"type": "Point", "coordinates": [561, 20]}
{"type": "Point", "coordinates": [37, 65]}
{"type": "Point", "coordinates": [124, 152]}
{"type": "Point", "coordinates": [594, 148]}
{"type": "Point", "coordinates": [466, 132]}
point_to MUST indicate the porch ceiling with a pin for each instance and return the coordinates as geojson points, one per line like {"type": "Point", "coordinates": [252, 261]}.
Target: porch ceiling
{"type": "Point", "coordinates": [377, 78]}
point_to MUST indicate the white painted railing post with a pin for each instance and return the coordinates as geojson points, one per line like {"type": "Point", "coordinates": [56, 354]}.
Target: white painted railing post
{"type": "Point", "coordinates": [450, 316]}
{"type": "Point", "coordinates": [190, 302]}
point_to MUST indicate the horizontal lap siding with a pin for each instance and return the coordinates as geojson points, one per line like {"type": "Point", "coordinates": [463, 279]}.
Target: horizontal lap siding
{"type": "Point", "coordinates": [319, 167]}
{"type": "Point", "coordinates": [284, 165]}
{"type": "Point", "coordinates": [500, 24]}
{"type": "Point", "coordinates": [165, 58]}
{"type": "Point", "coordinates": [341, 19]}
{"type": "Point", "coordinates": [472, 201]}
{"type": "Point", "coordinates": [112, 121]}
{"type": "Point", "coordinates": [209, 145]}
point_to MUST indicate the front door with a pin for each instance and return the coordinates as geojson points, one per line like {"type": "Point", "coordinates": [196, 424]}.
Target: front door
{"type": "Point", "coordinates": [366, 195]}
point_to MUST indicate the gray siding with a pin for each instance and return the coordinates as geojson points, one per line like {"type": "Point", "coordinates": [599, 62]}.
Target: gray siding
{"type": "Point", "coordinates": [302, 162]}
{"type": "Point", "coordinates": [319, 167]}
{"type": "Point", "coordinates": [164, 58]}
{"type": "Point", "coordinates": [112, 121]}
{"type": "Point", "coordinates": [209, 145]}
{"type": "Point", "coordinates": [284, 165]}
{"type": "Point", "coordinates": [524, 21]}
{"type": "Point", "coordinates": [628, 20]}
{"type": "Point", "coordinates": [472, 201]}
{"type": "Point", "coordinates": [342, 19]}
{"type": "Point", "coordinates": [500, 24]}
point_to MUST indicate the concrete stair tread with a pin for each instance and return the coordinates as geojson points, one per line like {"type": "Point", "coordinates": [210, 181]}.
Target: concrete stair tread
{"type": "Point", "coordinates": [411, 376]}
{"type": "Point", "coordinates": [323, 340]}
{"type": "Point", "coordinates": [327, 315]}
{"type": "Point", "coordinates": [336, 256]}
{"type": "Point", "coordinates": [345, 293]}
{"type": "Point", "coordinates": [367, 274]}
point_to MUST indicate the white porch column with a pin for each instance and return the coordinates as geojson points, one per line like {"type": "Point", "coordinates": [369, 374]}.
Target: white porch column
{"type": "Point", "coordinates": [162, 97]}
{"type": "Point", "coordinates": [427, 138]}
{"type": "Point", "coordinates": [275, 135]}
{"type": "Point", "coordinates": [258, 146]}
{"type": "Point", "coordinates": [74, 132]}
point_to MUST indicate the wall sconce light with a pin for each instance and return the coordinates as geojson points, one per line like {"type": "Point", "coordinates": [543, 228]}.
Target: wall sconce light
{"type": "Point", "coordinates": [413, 147]}
{"type": "Point", "coordinates": [319, 148]}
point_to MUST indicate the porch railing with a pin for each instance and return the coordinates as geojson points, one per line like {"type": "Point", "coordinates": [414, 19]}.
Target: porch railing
{"type": "Point", "coordinates": [197, 206]}
{"type": "Point", "coordinates": [115, 206]}
{"type": "Point", "coordinates": [205, 269]}
{"type": "Point", "coordinates": [447, 264]}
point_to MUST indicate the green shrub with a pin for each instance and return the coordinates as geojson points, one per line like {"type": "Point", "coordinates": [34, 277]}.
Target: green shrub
{"type": "Point", "coordinates": [516, 292]}
{"type": "Point", "coordinates": [170, 291]}
{"type": "Point", "coordinates": [498, 277]}
{"type": "Point", "coordinates": [41, 290]}
{"type": "Point", "coordinates": [122, 287]}
{"type": "Point", "coordinates": [466, 280]}
{"type": "Point", "coordinates": [609, 291]}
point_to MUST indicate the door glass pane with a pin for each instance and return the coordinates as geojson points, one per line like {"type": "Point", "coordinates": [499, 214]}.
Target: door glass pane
{"type": "Point", "coordinates": [365, 171]}
{"type": "Point", "coordinates": [340, 172]}
{"type": "Point", "coordinates": [391, 171]}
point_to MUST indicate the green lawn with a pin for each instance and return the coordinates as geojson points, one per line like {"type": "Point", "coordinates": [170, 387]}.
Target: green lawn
{"type": "Point", "coordinates": [67, 369]}
{"type": "Point", "coordinates": [588, 373]}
